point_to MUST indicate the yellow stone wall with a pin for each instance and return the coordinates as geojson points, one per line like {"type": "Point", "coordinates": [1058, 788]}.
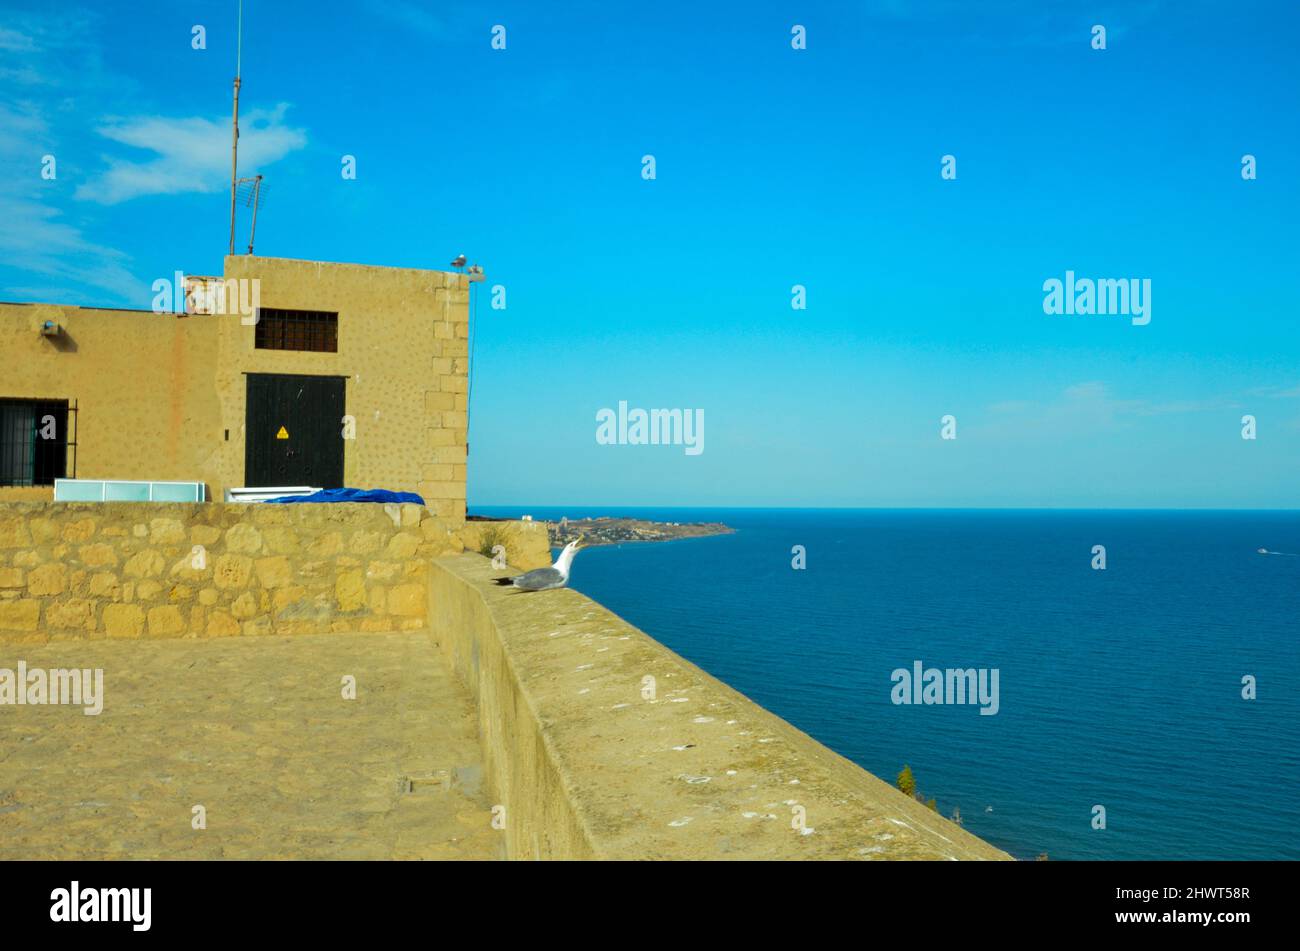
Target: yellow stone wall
{"type": "Point", "coordinates": [526, 543]}
{"type": "Point", "coordinates": [143, 384]}
{"type": "Point", "coordinates": [163, 397]}
{"type": "Point", "coordinates": [132, 570]}
{"type": "Point", "coordinates": [403, 345]}
{"type": "Point", "coordinates": [600, 743]}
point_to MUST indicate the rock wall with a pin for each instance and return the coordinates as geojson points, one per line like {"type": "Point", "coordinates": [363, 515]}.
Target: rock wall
{"type": "Point", "coordinates": [136, 570]}
{"type": "Point", "coordinates": [599, 742]}
{"type": "Point", "coordinates": [525, 544]}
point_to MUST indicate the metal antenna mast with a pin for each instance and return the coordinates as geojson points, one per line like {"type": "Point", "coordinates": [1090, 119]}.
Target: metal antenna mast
{"type": "Point", "coordinates": [234, 139]}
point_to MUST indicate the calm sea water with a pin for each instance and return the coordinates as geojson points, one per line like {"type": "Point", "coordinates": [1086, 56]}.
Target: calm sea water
{"type": "Point", "coordinates": [1119, 687]}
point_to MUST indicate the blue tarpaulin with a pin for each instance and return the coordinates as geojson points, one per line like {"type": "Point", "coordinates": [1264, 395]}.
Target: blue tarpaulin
{"type": "Point", "coordinates": [352, 495]}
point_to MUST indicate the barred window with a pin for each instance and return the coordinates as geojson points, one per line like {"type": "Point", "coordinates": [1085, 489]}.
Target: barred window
{"type": "Point", "coordinates": [33, 441]}
{"type": "Point", "coordinates": [314, 330]}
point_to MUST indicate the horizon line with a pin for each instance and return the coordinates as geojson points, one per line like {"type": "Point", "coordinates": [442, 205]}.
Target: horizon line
{"type": "Point", "coordinates": [887, 508]}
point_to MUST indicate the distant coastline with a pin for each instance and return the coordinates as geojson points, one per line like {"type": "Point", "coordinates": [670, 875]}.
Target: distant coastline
{"type": "Point", "coordinates": [617, 530]}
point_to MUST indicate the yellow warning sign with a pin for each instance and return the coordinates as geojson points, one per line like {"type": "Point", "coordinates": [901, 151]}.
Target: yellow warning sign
{"type": "Point", "coordinates": [282, 434]}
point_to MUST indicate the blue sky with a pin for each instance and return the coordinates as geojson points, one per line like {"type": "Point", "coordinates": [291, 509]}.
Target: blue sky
{"type": "Point", "coordinates": [774, 167]}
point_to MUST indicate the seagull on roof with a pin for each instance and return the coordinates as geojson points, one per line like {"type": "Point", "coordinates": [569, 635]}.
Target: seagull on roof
{"type": "Point", "coordinates": [460, 261]}
{"type": "Point", "coordinates": [543, 579]}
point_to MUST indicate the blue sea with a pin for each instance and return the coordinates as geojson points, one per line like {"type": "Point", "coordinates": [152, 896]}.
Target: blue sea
{"type": "Point", "coordinates": [1119, 687]}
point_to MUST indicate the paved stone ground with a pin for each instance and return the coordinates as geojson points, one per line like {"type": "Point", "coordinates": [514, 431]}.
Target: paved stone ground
{"type": "Point", "coordinates": [255, 730]}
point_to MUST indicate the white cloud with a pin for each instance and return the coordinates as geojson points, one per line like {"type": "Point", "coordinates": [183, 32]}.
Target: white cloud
{"type": "Point", "coordinates": [190, 155]}
{"type": "Point", "coordinates": [21, 128]}
{"type": "Point", "coordinates": [48, 245]}
{"type": "Point", "coordinates": [1017, 23]}
{"type": "Point", "coordinates": [11, 41]}
{"type": "Point", "coordinates": [44, 253]}
{"type": "Point", "coordinates": [37, 49]}
{"type": "Point", "coordinates": [410, 16]}
{"type": "Point", "coordinates": [1086, 407]}
{"type": "Point", "coordinates": [448, 20]}
{"type": "Point", "coordinates": [35, 241]}
{"type": "Point", "coordinates": [1276, 392]}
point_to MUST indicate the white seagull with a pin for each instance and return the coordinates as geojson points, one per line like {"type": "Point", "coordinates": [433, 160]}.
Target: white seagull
{"type": "Point", "coordinates": [543, 579]}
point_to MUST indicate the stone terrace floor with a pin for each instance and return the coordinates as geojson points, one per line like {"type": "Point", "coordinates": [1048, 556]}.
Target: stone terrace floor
{"type": "Point", "coordinates": [255, 730]}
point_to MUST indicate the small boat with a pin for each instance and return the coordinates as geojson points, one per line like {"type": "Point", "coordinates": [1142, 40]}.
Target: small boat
{"type": "Point", "coordinates": [1263, 551]}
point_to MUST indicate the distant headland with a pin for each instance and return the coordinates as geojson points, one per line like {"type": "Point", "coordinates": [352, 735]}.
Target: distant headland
{"type": "Point", "coordinates": [607, 530]}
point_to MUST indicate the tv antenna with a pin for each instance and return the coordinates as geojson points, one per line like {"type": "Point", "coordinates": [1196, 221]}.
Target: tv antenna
{"type": "Point", "coordinates": [250, 193]}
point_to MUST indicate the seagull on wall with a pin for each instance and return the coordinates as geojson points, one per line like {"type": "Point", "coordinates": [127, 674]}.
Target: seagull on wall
{"type": "Point", "coordinates": [543, 579]}
{"type": "Point", "coordinates": [460, 261]}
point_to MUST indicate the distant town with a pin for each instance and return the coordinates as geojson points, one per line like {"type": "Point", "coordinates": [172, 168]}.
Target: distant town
{"type": "Point", "coordinates": [607, 530]}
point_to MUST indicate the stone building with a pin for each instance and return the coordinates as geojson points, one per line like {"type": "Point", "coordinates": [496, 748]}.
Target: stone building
{"type": "Point", "coordinates": [348, 680]}
{"type": "Point", "coordinates": [280, 372]}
